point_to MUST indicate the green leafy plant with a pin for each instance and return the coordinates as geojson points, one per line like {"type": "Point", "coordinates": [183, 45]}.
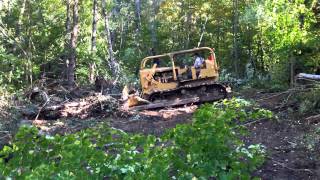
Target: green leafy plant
{"type": "Point", "coordinates": [209, 147]}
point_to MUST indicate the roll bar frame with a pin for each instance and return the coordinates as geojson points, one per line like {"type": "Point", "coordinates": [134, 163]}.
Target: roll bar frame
{"type": "Point", "coordinates": [172, 54]}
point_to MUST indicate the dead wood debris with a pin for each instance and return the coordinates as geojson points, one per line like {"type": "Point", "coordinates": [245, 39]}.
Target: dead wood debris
{"type": "Point", "coordinates": [313, 119]}
{"type": "Point", "coordinates": [290, 168]}
{"type": "Point", "coordinates": [82, 108]}
{"type": "Point", "coordinates": [289, 91]}
{"type": "Point", "coordinates": [54, 101]}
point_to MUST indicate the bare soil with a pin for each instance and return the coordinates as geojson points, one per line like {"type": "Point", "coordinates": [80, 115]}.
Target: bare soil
{"type": "Point", "coordinates": [293, 148]}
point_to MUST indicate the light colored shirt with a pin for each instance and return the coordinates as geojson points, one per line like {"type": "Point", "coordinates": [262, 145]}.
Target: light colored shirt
{"type": "Point", "coordinates": [198, 62]}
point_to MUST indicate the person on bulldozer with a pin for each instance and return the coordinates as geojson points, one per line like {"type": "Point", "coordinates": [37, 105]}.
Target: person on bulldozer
{"type": "Point", "coordinates": [198, 63]}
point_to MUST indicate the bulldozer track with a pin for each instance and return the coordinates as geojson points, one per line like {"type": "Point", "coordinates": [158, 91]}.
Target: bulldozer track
{"type": "Point", "coordinates": [204, 91]}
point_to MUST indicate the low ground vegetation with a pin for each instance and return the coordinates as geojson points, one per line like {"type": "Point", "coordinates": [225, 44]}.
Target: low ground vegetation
{"type": "Point", "coordinates": [208, 147]}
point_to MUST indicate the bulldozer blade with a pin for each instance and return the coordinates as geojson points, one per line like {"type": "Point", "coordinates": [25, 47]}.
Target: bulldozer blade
{"type": "Point", "coordinates": [163, 104]}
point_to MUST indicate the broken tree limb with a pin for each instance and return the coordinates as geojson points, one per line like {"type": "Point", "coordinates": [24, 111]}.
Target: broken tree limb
{"type": "Point", "coordinates": [289, 168]}
{"type": "Point", "coordinates": [82, 108]}
{"type": "Point", "coordinates": [309, 76]}
{"type": "Point", "coordinates": [276, 95]}
{"type": "Point", "coordinates": [56, 107]}
{"type": "Point", "coordinates": [166, 104]}
{"type": "Point", "coordinates": [313, 119]}
{"type": "Point", "coordinates": [292, 90]}
{"type": "Point", "coordinates": [253, 122]}
{"type": "Point", "coordinates": [44, 105]}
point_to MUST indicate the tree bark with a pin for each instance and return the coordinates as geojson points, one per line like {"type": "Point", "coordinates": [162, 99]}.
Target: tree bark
{"type": "Point", "coordinates": [188, 25]}
{"type": "Point", "coordinates": [67, 40]}
{"type": "Point", "coordinates": [94, 26]}
{"type": "Point", "coordinates": [217, 50]}
{"type": "Point", "coordinates": [121, 33]}
{"type": "Point", "coordinates": [29, 72]}
{"type": "Point", "coordinates": [137, 4]}
{"type": "Point", "coordinates": [138, 15]}
{"type": "Point", "coordinates": [114, 14]}
{"type": "Point", "coordinates": [153, 24]}
{"type": "Point", "coordinates": [22, 11]}
{"type": "Point", "coordinates": [112, 61]}
{"type": "Point", "coordinates": [73, 43]}
{"type": "Point", "coordinates": [250, 49]}
{"type": "Point", "coordinates": [92, 65]}
{"type": "Point", "coordinates": [235, 32]}
{"type": "Point", "coordinates": [292, 62]}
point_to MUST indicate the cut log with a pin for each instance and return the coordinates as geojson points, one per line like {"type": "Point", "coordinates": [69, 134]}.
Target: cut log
{"type": "Point", "coordinates": [166, 104]}
{"type": "Point", "coordinates": [309, 76]}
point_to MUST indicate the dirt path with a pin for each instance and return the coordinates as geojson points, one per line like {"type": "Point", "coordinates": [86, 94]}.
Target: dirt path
{"type": "Point", "coordinates": [293, 150]}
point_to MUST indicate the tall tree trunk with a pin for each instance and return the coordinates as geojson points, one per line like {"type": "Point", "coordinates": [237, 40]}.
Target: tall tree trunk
{"type": "Point", "coordinates": [92, 65]}
{"type": "Point", "coordinates": [29, 77]}
{"type": "Point", "coordinates": [235, 32]}
{"type": "Point", "coordinates": [137, 11]}
{"type": "Point", "coordinates": [22, 11]}
{"type": "Point", "coordinates": [115, 13]}
{"type": "Point", "coordinates": [121, 33]}
{"type": "Point", "coordinates": [94, 26]}
{"type": "Point", "coordinates": [260, 53]}
{"type": "Point", "coordinates": [292, 72]}
{"type": "Point", "coordinates": [188, 25]}
{"type": "Point", "coordinates": [124, 31]}
{"type": "Point", "coordinates": [217, 48]}
{"type": "Point", "coordinates": [73, 43]}
{"type": "Point", "coordinates": [153, 24]}
{"type": "Point", "coordinates": [113, 64]}
{"type": "Point", "coordinates": [67, 40]}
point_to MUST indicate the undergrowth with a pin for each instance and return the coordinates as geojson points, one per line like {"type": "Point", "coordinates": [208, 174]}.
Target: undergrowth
{"type": "Point", "coordinates": [309, 102]}
{"type": "Point", "coordinates": [208, 147]}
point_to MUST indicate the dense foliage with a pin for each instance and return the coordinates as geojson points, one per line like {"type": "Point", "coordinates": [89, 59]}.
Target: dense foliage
{"type": "Point", "coordinates": [210, 146]}
{"type": "Point", "coordinates": [267, 36]}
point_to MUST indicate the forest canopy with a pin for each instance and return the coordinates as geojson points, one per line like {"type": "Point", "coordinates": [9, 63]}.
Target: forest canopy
{"type": "Point", "coordinates": [77, 40]}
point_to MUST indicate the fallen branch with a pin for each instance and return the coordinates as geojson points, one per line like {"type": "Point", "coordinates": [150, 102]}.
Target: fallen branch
{"type": "Point", "coordinates": [311, 80]}
{"type": "Point", "coordinates": [54, 107]}
{"type": "Point", "coordinates": [293, 90]}
{"type": "Point", "coordinates": [44, 105]}
{"type": "Point", "coordinates": [289, 168]}
{"type": "Point", "coordinates": [313, 119]}
{"type": "Point", "coordinates": [279, 94]}
{"type": "Point", "coordinates": [253, 122]}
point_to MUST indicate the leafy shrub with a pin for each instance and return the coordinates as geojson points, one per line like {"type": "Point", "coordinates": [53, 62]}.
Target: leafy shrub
{"type": "Point", "coordinates": [309, 102]}
{"type": "Point", "coordinates": [209, 147]}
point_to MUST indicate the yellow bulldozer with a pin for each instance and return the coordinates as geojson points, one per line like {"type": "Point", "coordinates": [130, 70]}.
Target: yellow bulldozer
{"type": "Point", "coordinates": [171, 79]}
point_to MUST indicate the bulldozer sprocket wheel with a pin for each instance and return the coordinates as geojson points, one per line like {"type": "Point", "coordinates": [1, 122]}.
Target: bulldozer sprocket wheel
{"type": "Point", "coordinates": [213, 93]}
